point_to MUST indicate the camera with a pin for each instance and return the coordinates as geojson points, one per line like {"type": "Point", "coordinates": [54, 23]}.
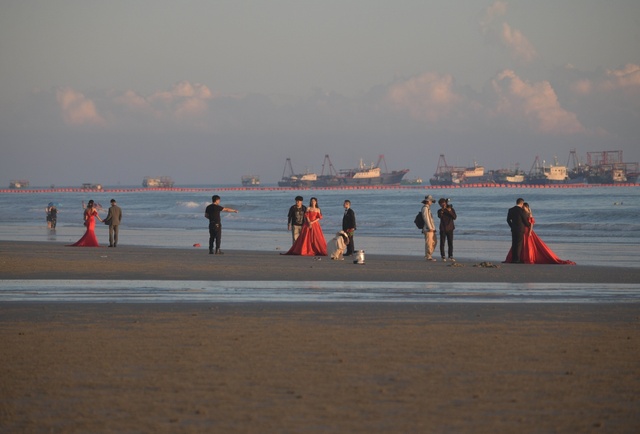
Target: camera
{"type": "Point", "coordinates": [448, 201]}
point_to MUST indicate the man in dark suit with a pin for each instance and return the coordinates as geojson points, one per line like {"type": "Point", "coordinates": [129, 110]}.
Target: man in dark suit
{"type": "Point", "coordinates": [518, 221]}
{"type": "Point", "coordinates": [349, 225]}
{"type": "Point", "coordinates": [113, 220]}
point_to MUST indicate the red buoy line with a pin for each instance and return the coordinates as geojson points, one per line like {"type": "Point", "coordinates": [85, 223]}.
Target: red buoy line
{"type": "Point", "coordinates": [276, 188]}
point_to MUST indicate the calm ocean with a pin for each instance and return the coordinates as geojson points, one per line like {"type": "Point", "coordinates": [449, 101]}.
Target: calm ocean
{"type": "Point", "coordinates": [590, 225]}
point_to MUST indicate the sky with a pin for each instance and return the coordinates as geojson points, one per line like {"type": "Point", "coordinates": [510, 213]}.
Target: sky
{"type": "Point", "coordinates": [208, 91]}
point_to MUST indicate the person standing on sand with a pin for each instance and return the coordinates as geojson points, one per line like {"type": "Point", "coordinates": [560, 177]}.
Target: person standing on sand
{"type": "Point", "coordinates": [518, 220]}
{"type": "Point", "coordinates": [429, 229]}
{"type": "Point", "coordinates": [447, 215]}
{"type": "Point", "coordinates": [215, 224]}
{"type": "Point", "coordinates": [295, 219]}
{"type": "Point", "coordinates": [114, 216]}
{"type": "Point", "coordinates": [349, 225]}
{"type": "Point", "coordinates": [89, 238]}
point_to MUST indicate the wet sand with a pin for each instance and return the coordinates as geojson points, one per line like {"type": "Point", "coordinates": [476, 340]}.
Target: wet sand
{"type": "Point", "coordinates": [311, 367]}
{"type": "Point", "coordinates": [23, 260]}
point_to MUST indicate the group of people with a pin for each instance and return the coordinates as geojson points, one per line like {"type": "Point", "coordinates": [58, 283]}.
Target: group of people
{"type": "Point", "coordinates": [308, 239]}
{"type": "Point", "coordinates": [307, 236]}
{"type": "Point", "coordinates": [447, 215]}
{"type": "Point", "coordinates": [113, 218]}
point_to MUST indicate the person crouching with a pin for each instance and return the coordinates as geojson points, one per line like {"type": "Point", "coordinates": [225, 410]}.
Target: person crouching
{"type": "Point", "coordinates": [340, 242]}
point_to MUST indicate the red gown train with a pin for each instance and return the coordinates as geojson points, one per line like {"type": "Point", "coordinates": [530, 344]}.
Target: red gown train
{"type": "Point", "coordinates": [89, 238]}
{"type": "Point", "coordinates": [311, 241]}
{"type": "Point", "coordinates": [535, 251]}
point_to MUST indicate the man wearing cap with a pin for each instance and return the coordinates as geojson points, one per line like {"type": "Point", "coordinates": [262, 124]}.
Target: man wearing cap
{"type": "Point", "coordinates": [429, 229]}
{"type": "Point", "coordinates": [295, 218]}
{"type": "Point", "coordinates": [113, 220]}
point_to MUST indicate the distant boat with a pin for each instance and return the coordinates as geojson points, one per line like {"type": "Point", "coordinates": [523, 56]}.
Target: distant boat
{"type": "Point", "coordinates": [91, 186]}
{"type": "Point", "coordinates": [362, 175]}
{"type": "Point", "coordinates": [540, 174]}
{"type": "Point", "coordinates": [19, 183]}
{"type": "Point", "coordinates": [161, 182]}
{"type": "Point", "coordinates": [412, 181]}
{"type": "Point", "coordinates": [291, 179]}
{"type": "Point", "coordinates": [250, 181]}
{"type": "Point", "coordinates": [452, 175]}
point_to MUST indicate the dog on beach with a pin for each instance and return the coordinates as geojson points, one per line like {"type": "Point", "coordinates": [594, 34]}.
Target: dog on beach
{"type": "Point", "coordinates": [340, 242]}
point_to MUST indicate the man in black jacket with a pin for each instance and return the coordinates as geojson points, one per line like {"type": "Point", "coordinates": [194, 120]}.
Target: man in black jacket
{"type": "Point", "coordinates": [349, 225]}
{"type": "Point", "coordinates": [447, 215]}
{"type": "Point", "coordinates": [518, 221]}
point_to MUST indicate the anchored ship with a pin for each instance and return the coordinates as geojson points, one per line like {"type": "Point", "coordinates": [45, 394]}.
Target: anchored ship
{"type": "Point", "coordinates": [540, 174]}
{"type": "Point", "coordinates": [161, 182]}
{"type": "Point", "coordinates": [363, 175]}
{"type": "Point", "coordinates": [250, 181]}
{"type": "Point", "coordinates": [608, 167]}
{"type": "Point", "coordinates": [451, 175]}
{"type": "Point", "coordinates": [18, 183]}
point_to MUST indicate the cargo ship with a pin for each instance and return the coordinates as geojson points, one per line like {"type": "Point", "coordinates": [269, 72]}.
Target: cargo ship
{"type": "Point", "coordinates": [541, 174]}
{"type": "Point", "coordinates": [363, 175]}
{"type": "Point", "coordinates": [250, 181]}
{"type": "Point", "coordinates": [452, 175]}
{"type": "Point", "coordinates": [18, 183]}
{"type": "Point", "coordinates": [608, 167]}
{"type": "Point", "coordinates": [161, 182]}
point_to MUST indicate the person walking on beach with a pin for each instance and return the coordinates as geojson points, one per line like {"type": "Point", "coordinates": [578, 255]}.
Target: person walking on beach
{"type": "Point", "coordinates": [349, 226]}
{"type": "Point", "coordinates": [215, 224]}
{"type": "Point", "coordinates": [447, 215]}
{"type": "Point", "coordinates": [518, 221]}
{"type": "Point", "coordinates": [114, 216]}
{"type": "Point", "coordinates": [52, 215]}
{"type": "Point", "coordinates": [429, 229]}
{"type": "Point", "coordinates": [295, 219]}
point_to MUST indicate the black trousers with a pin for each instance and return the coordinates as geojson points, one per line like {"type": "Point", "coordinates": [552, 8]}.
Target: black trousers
{"type": "Point", "coordinates": [448, 237]}
{"type": "Point", "coordinates": [350, 246]}
{"type": "Point", "coordinates": [215, 235]}
{"type": "Point", "coordinates": [517, 239]}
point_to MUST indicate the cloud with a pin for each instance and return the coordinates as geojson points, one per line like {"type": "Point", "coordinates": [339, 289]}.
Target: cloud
{"type": "Point", "coordinates": [499, 32]}
{"type": "Point", "coordinates": [519, 46]}
{"type": "Point", "coordinates": [627, 77]}
{"type": "Point", "coordinates": [429, 96]}
{"type": "Point", "coordinates": [77, 109]}
{"type": "Point", "coordinates": [535, 104]}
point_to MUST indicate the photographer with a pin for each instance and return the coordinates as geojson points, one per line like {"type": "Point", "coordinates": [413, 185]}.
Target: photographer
{"type": "Point", "coordinates": [447, 215]}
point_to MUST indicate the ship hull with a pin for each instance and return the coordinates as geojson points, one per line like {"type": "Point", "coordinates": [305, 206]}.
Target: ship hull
{"type": "Point", "coordinates": [390, 178]}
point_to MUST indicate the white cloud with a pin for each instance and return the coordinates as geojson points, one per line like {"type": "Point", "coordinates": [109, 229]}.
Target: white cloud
{"type": "Point", "coordinates": [535, 104]}
{"type": "Point", "coordinates": [77, 109]}
{"type": "Point", "coordinates": [429, 96]}
{"type": "Point", "coordinates": [518, 45]}
{"type": "Point", "coordinates": [499, 32]}
{"type": "Point", "coordinates": [627, 77]}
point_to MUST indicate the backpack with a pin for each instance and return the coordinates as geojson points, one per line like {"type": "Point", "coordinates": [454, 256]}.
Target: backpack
{"type": "Point", "coordinates": [419, 221]}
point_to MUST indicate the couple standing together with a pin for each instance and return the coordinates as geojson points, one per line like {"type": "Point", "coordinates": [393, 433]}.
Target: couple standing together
{"type": "Point", "coordinates": [526, 246]}
{"type": "Point", "coordinates": [306, 233]}
{"type": "Point", "coordinates": [114, 216]}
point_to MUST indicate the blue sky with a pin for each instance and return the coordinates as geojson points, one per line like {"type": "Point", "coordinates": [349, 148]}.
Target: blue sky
{"type": "Point", "coordinates": [206, 91]}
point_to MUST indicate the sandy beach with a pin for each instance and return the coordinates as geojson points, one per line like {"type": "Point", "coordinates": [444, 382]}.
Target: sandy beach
{"type": "Point", "coordinates": [311, 367]}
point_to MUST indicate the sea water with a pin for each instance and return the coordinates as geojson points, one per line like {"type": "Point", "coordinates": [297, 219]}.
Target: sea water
{"type": "Point", "coordinates": [591, 225]}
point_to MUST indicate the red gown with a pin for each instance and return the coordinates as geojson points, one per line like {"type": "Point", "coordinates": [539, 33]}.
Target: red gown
{"type": "Point", "coordinates": [535, 251]}
{"type": "Point", "coordinates": [311, 241]}
{"type": "Point", "coordinates": [89, 238]}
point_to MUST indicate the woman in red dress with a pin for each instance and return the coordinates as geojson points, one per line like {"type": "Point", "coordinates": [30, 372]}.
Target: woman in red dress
{"type": "Point", "coordinates": [534, 250]}
{"type": "Point", "coordinates": [89, 238]}
{"type": "Point", "coordinates": [311, 241]}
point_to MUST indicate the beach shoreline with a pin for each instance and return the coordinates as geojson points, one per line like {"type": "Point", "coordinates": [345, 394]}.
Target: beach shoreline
{"type": "Point", "coordinates": [42, 260]}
